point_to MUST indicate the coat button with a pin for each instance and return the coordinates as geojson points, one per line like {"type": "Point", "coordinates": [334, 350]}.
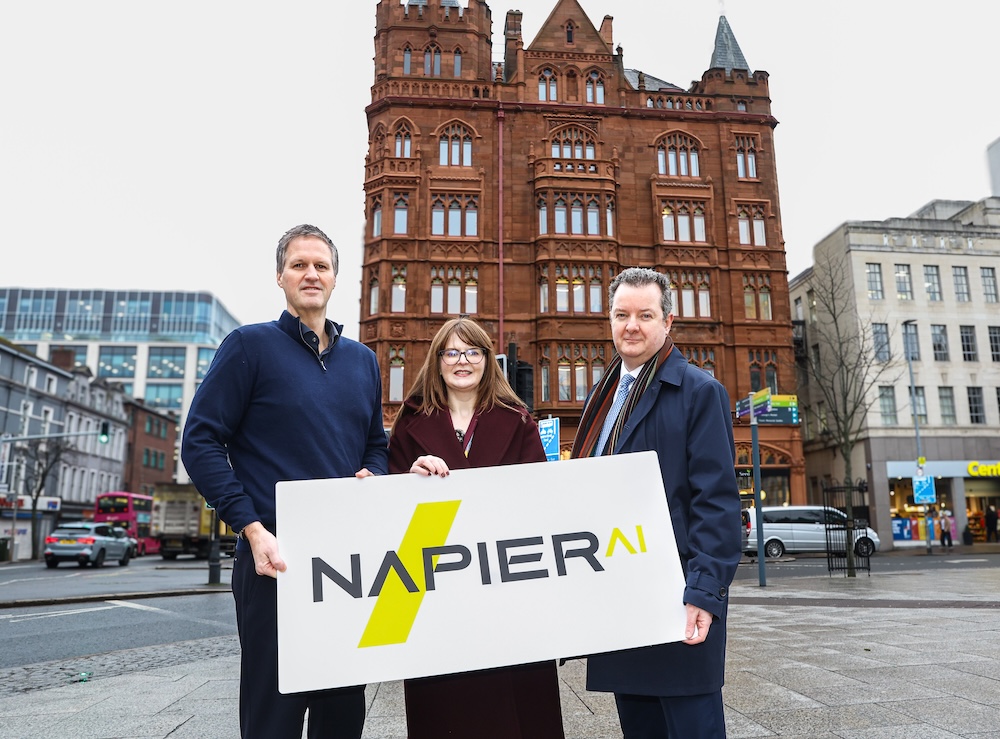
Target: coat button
{"type": "Point", "coordinates": [723, 592]}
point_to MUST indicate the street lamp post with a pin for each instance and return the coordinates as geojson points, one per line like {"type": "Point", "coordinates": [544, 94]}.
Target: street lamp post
{"type": "Point", "coordinates": [916, 423]}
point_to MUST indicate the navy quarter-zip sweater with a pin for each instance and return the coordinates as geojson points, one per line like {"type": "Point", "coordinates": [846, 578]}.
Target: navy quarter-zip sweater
{"type": "Point", "coordinates": [272, 408]}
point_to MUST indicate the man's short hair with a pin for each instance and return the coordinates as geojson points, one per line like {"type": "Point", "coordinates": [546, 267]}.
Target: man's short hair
{"type": "Point", "coordinates": [305, 230]}
{"type": "Point", "coordinates": [640, 277]}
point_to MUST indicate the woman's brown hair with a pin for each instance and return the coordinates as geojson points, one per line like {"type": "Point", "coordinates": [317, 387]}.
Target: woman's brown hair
{"type": "Point", "coordinates": [429, 390]}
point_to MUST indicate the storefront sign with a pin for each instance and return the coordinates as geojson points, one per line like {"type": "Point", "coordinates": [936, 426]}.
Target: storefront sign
{"type": "Point", "coordinates": [405, 576]}
{"type": "Point", "coordinates": [981, 469]}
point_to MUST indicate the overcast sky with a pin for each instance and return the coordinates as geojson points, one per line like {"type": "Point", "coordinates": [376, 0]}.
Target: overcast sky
{"type": "Point", "coordinates": [168, 146]}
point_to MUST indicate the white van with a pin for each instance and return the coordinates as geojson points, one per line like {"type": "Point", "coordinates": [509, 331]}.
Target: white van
{"type": "Point", "coordinates": [803, 528]}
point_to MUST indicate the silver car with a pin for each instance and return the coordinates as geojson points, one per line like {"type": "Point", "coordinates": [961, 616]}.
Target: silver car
{"type": "Point", "coordinates": [803, 528]}
{"type": "Point", "coordinates": [87, 543]}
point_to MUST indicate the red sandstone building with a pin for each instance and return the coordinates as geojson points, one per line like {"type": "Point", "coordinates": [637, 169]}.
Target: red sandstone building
{"type": "Point", "coordinates": [514, 191]}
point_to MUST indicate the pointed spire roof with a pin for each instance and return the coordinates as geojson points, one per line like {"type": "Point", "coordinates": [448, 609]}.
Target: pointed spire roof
{"type": "Point", "coordinates": [727, 54]}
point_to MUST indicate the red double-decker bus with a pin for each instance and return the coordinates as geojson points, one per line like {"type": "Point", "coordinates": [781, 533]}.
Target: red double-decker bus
{"type": "Point", "coordinates": [133, 512]}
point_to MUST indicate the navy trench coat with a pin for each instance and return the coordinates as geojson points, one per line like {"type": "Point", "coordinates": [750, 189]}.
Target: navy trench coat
{"type": "Point", "coordinates": [684, 415]}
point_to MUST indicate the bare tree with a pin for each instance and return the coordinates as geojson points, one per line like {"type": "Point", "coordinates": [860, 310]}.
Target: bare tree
{"type": "Point", "coordinates": [846, 361]}
{"type": "Point", "coordinates": [40, 457]}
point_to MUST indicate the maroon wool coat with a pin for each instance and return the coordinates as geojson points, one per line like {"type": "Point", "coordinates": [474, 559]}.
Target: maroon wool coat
{"type": "Point", "coordinates": [501, 436]}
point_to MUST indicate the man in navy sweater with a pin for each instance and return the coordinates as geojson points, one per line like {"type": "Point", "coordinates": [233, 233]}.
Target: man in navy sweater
{"type": "Point", "coordinates": [287, 400]}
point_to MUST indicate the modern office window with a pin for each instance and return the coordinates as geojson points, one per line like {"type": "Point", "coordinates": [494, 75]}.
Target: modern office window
{"type": "Point", "coordinates": [919, 404]}
{"type": "Point", "coordinates": [989, 275]}
{"type": "Point", "coordinates": [970, 353]}
{"type": "Point", "coordinates": [946, 400]}
{"type": "Point", "coordinates": [204, 361]}
{"type": "Point", "coordinates": [880, 341]}
{"type": "Point", "coordinates": [887, 405]}
{"type": "Point", "coordinates": [977, 409]}
{"type": "Point", "coordinates": [911, 342]}
{"type": "Point", "coordinates": [939, 342]}
{"type": "Point", "coordinates": [932, 282]}
{"type": "Point", "coordinates": [874, 275]}
{"type": "Point", "coordinates": [995, 343]}
{"type": "Point", "coordinates": [116, 361]}
{"type": "Point", "coordinates": [166, 396]}
{"type": "Point", "coordinates": [960, 276]}
{"type": "Point", "coordinates": [166, 363]}
{"type": "Point", "coordinates": [904, 282]}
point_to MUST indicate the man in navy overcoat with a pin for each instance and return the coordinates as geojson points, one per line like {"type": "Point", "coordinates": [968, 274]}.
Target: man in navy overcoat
{"type": "Point", "coordinates": [683, 413]}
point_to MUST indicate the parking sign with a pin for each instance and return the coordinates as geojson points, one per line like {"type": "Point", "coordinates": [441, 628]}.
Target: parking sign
{"type": "Point", "coordinates": [548, 429]}
{"type": "Point", "coordinates": [923, 490]}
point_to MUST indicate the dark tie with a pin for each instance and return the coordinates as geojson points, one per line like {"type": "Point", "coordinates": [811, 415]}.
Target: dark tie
{"type": "Point", "coordinates": [616, 408]}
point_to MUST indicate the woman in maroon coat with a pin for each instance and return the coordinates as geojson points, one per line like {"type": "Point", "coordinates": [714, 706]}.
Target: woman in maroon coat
{"type": "Point", "coordinates": [461, 412]}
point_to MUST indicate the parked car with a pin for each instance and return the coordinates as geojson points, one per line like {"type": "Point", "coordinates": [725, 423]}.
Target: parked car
{"type": "Point", "coordinates": [86, 543]}
{"type": "Point", "coordinates": [804, 529]}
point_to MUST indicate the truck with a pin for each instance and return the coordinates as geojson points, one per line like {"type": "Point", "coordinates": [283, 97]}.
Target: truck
{"type": "Point", "coordinates": [182, 523]}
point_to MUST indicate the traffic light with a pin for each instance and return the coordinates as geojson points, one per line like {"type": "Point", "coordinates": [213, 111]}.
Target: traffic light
{"type": "Point", "coordinates": [105, 433]}
{"type": "Point", "coordinates": [524, 384]}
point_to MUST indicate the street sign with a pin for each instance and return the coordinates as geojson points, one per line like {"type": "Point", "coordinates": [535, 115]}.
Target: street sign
{"type": "Point", "coordinates": [923, 490]}
{"type": "Point", "coordinates": [784, 401]}
{"type": "Point", "coordinates": [761, 403]}
{"type": "Point", "coordinates": [548, 429]}
{"type": "Point", "coordinates": [787, 416]}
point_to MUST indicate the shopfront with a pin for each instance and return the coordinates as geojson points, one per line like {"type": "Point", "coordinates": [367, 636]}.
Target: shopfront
{"type": "Point", "coordinates": [966, 488]}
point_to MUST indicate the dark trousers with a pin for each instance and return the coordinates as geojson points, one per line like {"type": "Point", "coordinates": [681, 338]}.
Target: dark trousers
{"type": "Point", "coordinates": [264, 712]}
{"type": "Point", "coordinates": [945, 536]}
{"type": "Point", "coordinates": [682, 717]}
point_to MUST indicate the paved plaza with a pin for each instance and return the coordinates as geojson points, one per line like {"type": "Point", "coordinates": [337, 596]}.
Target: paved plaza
{"type": "Point", "coordinates": [886, 656]}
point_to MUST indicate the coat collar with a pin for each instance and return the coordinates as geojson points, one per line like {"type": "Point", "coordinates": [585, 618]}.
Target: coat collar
{"type": "Point", "coordinates": [671, 373]}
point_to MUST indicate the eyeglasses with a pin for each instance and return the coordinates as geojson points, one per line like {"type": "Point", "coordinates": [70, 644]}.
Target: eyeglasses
{"type": "Point", "coordinates": [472, 356]}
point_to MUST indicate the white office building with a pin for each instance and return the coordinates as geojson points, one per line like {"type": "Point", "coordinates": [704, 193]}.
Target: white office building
{"type": "Point", "coordinates": [927, 282]}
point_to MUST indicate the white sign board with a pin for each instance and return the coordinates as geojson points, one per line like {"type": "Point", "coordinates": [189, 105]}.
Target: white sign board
{"type": "Point", "coordinates": [406, 576]}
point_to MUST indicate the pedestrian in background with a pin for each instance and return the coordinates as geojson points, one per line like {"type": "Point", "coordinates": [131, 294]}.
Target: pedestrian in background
{"type": "Point", "coordinates": [991, 523]}
{"type": "Point", "coordinates": [945, 521]}
{"type": "Point", "coordinates": [292, 399]}
{"type": "Point", "coordinates": [652, 398]}
{"type": "Point", "coordinates": [460, 413]}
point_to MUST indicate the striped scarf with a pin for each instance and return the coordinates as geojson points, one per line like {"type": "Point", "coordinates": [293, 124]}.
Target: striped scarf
{"type": "Point", "coordinates": [603, 395]}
